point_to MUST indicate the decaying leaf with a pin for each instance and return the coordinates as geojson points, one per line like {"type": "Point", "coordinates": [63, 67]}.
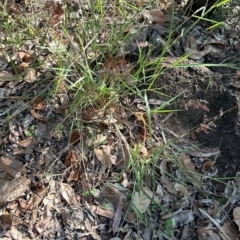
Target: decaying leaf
{"type": "Point", "coordinates": [34, 201]}
{"type": "Point", "coordinates": [156, 16]}
{"type": "Point", "coordinates": [15, 234]}
{"type": "Point", "coordinates": [190, 169]}
{"type": "Point", "coordinates": [182, 217]}
{"type": "Point", "coordinates": [11, 166]}
{"type": "Point", "coordinates": [104, 155]}
{"type": "Point", "coordinates": [142, 199]}
{"type": "Point", "coordinates": [117, 215]}
{"type": "Point", "coordinates": [181, 188]}
{"type": "Point", "coordinates": [28, 142]}
{"type": "Point", "coordinates": [72, 164]}
{"type": "Point", "coordinates": [228, 229]}
{"type": "Point", "coordinates": [91, 230]}
{"type": "Point", "coordinates": [5, 220]}
{"type": "Point", "coordinates": [111, 193]}
{"type": "Point", "coordinates": [6, 76]}
{"type": "Point", "coordinates": [102, 211]}
{"type": "Point", "coordinates": [38, 103]}
{"type": "Point", "coordinates": [35, 114]}
{"type": "Point", "coordinates": [14, 189]}
{"type": "Point", "coordinates": [67, 193]}
{"type": "Point", "coordinates": [30, 75]}
{"type": "Point", "coordinates": [236, 216]}
{"type": "Point", "coordinates": [75, 137]}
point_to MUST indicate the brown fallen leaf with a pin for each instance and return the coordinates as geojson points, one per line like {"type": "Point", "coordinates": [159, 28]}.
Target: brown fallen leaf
{"type": "Point", "coordinates": [38, 103]}
{"type": "Point", "coordinates": [72, 164]}
{"type": "Point", "coordinates": [67, 193]}
{"type": "Point", "coordinates": [104, 155]}
{"type": "Point", "coordinates": [34, 114]}
{"type": "Point", "coordinates": [30, 75]}
{"type": "Point", "coordinates": [11, 166]}
{"type": "Point", "coordinates": [34, 201]}
{"type": "Point", "coordinates": [5, 220]}
{"type": "Point", "coordinates": [156, 16]}
{"type": "Point", "coordinates": [6, 76]}
{"type": "Point", "coordinates": [75, 137]}
{"type": "Point", "coordinates": [102, 211]}
{"type": "Point", "coordinates": [14, 189]}
{"type": "Point", "coordinates": [118, 216]}
{"type": "Point", "coordinates": [91, 230]}
{"type": "Point", "coordinates": [28, 142]}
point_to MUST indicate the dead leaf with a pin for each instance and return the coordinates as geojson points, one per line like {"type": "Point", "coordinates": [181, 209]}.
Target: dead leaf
{"type": "Point", "coordinates": [55, 11]}
{"type": "Point", "coordinates": [34, 201]}
{"type": "Point", "coordinates": [125, 180]}
{"type": "Point", "coordinates": [6, 76]}
{"type": "Point", "coordinates": [142, 199]}
{"type": "Point", "coordinates": [104, 155]}
{"type": "Point", "coordinates": [34, 114]}
{"type": "Point", "coordinates": [24, 57]}
{"type": "Point", "coordinates": [72, 164]}
{"type": "Point", "coordinates": [155, 16]}
{"type": "Point", "coordinates": [67, 193]}
{"type": "Point", "coordinates": [236, 216]}
{"type": "Point", "coordinates": [228, 229]}
{"type": "Point", "coordinates": [111, 193]}
{"type": "Point", "coordinates": [5, 220]}
{"type": "Point", "coordinates": [102, 211]}
{"type": "Point", "coordinates": [191, 171]}
{"type": "Point", "coordinates": [117, 216]}
{"type": "Point", "coordinates": [30, 75]}
{"type": "Point", "coordinates": [181, 188]}
{"type": "Point", "coordinates": [91, 230]}
{"type": "Point", "coordinates": [28, 142]}
{"type": "Point", "coordinates": [14, 189]}
{"type": "Point", "coordinates": [15, 234]}
{"type": "Point", "coordinates": [11, 166]}
{"type": "Point", "coordinates": [38, 103]}
{"type": "Point", "coordinates": [43, 224]}
{"type": "Point", "coordinates": [75, 137]}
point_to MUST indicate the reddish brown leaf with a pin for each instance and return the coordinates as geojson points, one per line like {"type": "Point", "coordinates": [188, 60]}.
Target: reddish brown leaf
{"type": "Point", "coordinates": [75, 137]}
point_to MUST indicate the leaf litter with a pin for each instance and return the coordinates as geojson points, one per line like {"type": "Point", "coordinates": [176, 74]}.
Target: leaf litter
{"type": "Point", "coordinates": [66, 180]}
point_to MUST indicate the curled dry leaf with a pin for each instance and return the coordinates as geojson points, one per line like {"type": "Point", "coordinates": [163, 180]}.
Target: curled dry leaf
{"type": "Point", "coordinates": [24, 57]}
{"type": "Point", "coordinates": [35, 115]}
{"type": "Point", "coordinates": [38, 103]}
{"type": "Point", "coordinates": [71, 162]}
{"type": "Point", "coordinates": [11, 166]}
{"type": "Point", "coordinates": [14, 189]}
{"type": "Point", "coordinates": [156, 16]}
{"type": "Point", "coordinates": [30, 75]}
{"type": "Point", "coordinates": [5, 220]}
{"type": "Point", "coordinates": [67, 193]}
